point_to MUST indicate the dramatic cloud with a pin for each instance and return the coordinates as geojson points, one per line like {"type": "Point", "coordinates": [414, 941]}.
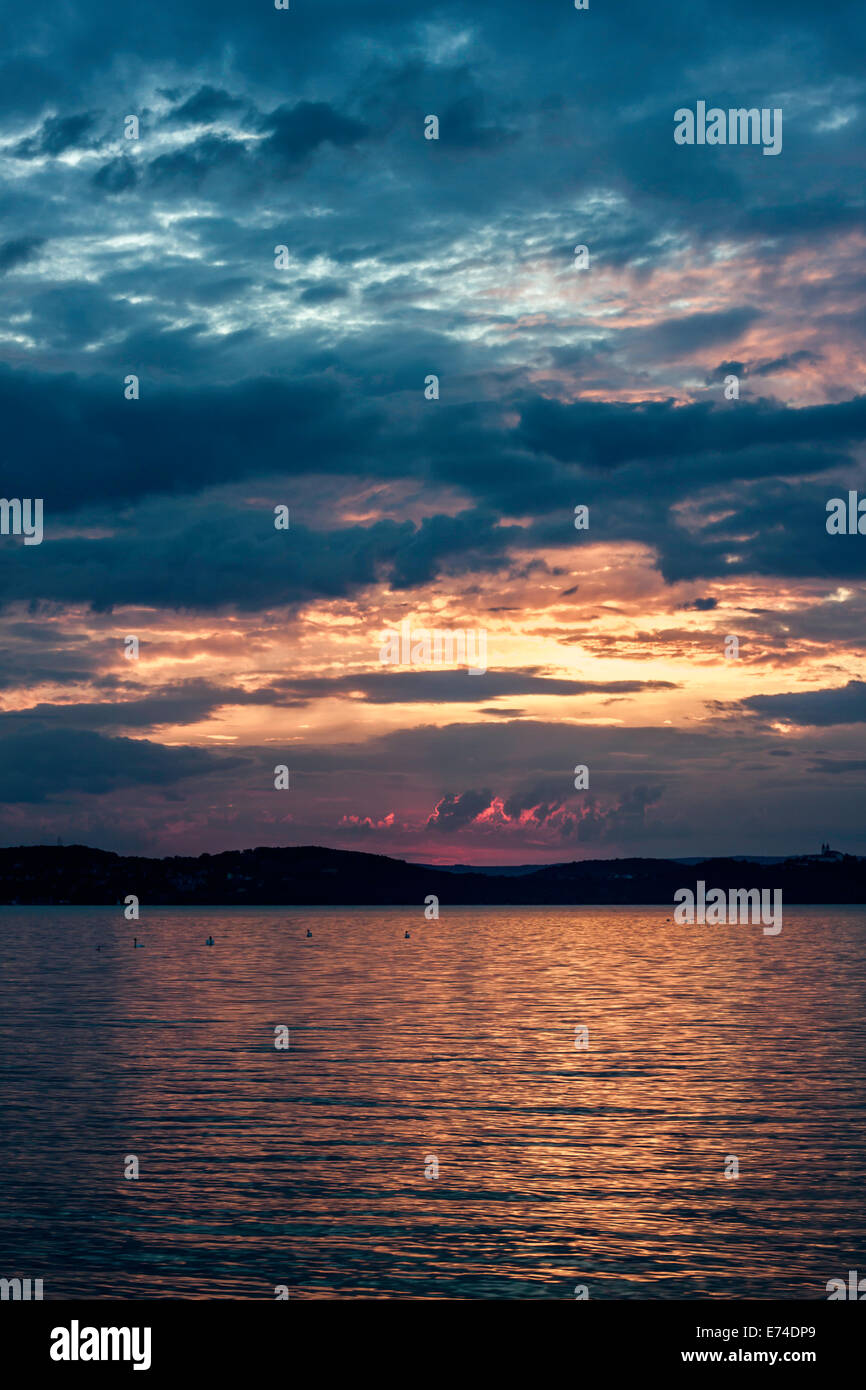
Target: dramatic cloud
{"type": "Point", "coordinates": [846, 705]}
{"type": "Point", "coordinates": [40, 765]}
{"type": "Point", "coordinates": [18, 251]}
{"type": "Point", "coordinates": [56, 135]}
{"type": "Point", "coordinates": [270, 295]}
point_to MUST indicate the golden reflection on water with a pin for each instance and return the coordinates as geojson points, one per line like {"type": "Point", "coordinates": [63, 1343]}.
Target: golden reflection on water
{"type": "Point", "coordinates": [557, 1167]}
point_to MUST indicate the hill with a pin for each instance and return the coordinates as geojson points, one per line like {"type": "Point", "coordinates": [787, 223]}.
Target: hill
{"type": "Point", "coordinates": [313, 875]}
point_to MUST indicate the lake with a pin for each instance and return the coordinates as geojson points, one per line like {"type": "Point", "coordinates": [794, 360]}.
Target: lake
{"type": "Point", "coordinates": [432, 1130]}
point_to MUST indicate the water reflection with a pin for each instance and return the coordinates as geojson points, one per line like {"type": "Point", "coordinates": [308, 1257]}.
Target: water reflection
{"type": "Point", "coordinates": [306, 1167]}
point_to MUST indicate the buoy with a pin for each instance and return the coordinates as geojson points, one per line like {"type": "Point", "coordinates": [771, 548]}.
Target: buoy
{"type": "Point", "coordinates": [309, 933]}
{"type": "Point", "coordinates": [405, 936]}
{"type": "Point", "coordinates": [210, 941]}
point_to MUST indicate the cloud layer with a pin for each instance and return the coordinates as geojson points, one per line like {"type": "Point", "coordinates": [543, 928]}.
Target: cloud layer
{"type": "Point", "coordinates": [238, 208]}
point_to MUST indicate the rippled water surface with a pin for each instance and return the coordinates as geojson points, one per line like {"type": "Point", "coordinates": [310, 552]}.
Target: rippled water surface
{"type": "Point", "coordinates": [556, 1167]}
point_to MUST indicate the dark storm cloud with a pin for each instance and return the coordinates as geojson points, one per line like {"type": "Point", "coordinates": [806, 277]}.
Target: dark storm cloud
{"type": "Point", "coordinates": [693, 332]}
{"type": "Point", "coordinates": [42, 764]}
{"type": "Point", "coordinates": [843, 705]}
{"type": "Point", "coordinates": [208, 556]}
{"type": "Point", "coordinates": [56, 135]}
{"type": "Point", "coordinates": [446, 687]}
{"type": "Point", "coordinates": [188, 168]}
{"type": "Point", "coordinates": [117, 176]}
{"type": "Point", "coordinates": [605, 434]}
{"type": "Point", "coordinates": [18, 251]}
{"type": "Point", "coordinates": [804, 219]}
{"type": "Point", "coordinates": [395, 96]}
{"type": "Point", "coordinates": [170, 440]}
{"type": "Point", "coordinates": [463, 126]}
{"type": "Point", "coordinates": [226, 165]}
{"type": "Point", "coordinates": [790, 362]}
{"type": "Point", "coordinates": [176, 442]}
{"type": "Point", "coordinates": [29, 668]}
{"type": "Point", "coordinates": [37, 651]}
{"type": "Point", "coordinates": [72, 316]}
{"type": "Point", "coordinates": [291, 135]}
{"type": "Point", "coordinates": [295, 132]}
{"type": "Point", "coordinates": [206, 105]}
{"type": "Point", "coordinates": [186, 703]}
{"type": "Point", "coordinates": [775, 528]}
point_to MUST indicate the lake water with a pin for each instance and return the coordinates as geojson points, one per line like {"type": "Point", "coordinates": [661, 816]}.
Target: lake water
{"type": "Point", "coordinates": [556, 1167]}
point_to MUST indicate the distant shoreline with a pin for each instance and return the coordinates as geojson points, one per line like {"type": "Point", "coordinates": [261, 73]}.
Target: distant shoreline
{"type": "Point", "coordinates": [314, 876]}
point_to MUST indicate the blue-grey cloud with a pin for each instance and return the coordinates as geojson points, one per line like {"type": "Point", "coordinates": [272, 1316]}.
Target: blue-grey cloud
{"type": "Point", "coordinates": [842, 705]}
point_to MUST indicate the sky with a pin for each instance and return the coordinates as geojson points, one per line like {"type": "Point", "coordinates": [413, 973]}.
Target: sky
{"type": "Point", "coordinates": [300, 379]}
